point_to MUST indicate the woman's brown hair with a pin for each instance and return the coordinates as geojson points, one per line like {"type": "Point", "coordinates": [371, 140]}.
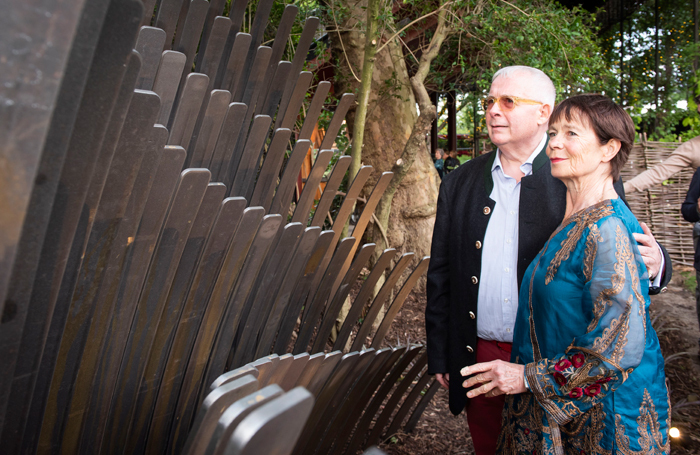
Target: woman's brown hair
{"type": "Point", "coordinates": [607, 119]}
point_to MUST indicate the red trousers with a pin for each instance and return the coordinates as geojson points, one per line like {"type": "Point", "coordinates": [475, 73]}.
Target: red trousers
{"type": "Point", "coordinates": [484, 414]}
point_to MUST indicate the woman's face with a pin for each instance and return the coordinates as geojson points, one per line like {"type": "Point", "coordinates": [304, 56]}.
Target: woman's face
{"type": "Point", "coordinates": [575, 151]}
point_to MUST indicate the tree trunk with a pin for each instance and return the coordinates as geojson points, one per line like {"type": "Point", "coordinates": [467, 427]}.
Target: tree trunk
{"type": "Point", "coordinates": [391, 116]}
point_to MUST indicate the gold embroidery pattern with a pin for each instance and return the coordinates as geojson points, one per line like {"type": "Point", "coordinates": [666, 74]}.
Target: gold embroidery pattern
{"type": "Point", "coordinates": [583, 219]}
{"type": "Point", "coordinates": [581, 377]}
{"type": "Point", "coordinates": [591, 249]}
{"type": "Point", "coordinates": [623, 244]}
{"type": "Point", "coordinates": [604, 359]}
{"type": "Point", "coordinates": [651, 440]}
{"type": "Point", "coordinates": [615, 335]}
{"type": "Point", "coordinates": [623, 256]}
{"type": "Point", "coordinates": [526, 428]}
{"type": "Point", "coordinates": [585, 433]}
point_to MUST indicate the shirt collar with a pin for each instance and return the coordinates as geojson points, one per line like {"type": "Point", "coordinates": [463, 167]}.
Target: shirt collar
{"type": "Point", "coordinates": [526, 167]}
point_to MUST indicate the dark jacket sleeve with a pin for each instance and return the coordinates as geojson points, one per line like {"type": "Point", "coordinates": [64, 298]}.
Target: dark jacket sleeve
{"type": "Point", "coordinates": [667, 272]}
{"type": "Point", "coordinates": [437, 309]}
{"type": "Point", "coordinates": [689, 209]}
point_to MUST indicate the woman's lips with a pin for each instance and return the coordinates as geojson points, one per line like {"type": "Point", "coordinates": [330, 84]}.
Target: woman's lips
{"type": "Point", "coordinates": [556, 160]}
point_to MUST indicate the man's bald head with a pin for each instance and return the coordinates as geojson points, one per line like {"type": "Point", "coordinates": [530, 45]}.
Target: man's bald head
{"type": "Point", "coordinates": [542, 86]}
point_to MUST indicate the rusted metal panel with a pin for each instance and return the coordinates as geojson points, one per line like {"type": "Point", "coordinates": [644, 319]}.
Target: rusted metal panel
{"type": "Point", "coordinates": [269, 173]}
{"type": "Point", "coordinates": [340, 424]}
{"type": "Point", "coordinates": [123, 290]}
{"type": "Point", "coordinates": [330, 191]}
{"type": "Point", "coordinates": [282, 317]}
{"type": "Point", "coordinates": [315, 307]}
{"type": "Point", "coordinates": [362, 297]}
{"type": "Point", "coordinates": [398, 370]}
{"type": "Point", "coordinates": [260, 302]}
{"type": "Point", "coordinates": [335, 304]}
{"type": "Point", "coordinates": [378, 301]}
{"type": "Point", "coordinates": [395, 306]}
{"type": "Point", "coordinates": [169, 320]}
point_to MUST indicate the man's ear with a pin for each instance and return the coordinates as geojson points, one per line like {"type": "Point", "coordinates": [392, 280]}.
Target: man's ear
{"type": "Point", "coordinates": [545, 111]}
{"type": "Point", "coordinates": [610, 149]}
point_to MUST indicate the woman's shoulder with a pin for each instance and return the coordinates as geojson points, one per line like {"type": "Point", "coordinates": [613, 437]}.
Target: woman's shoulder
{"type": "Point", "coordinates": [620, 215]}
{"type": "Point", "coordinates": [606, 217]}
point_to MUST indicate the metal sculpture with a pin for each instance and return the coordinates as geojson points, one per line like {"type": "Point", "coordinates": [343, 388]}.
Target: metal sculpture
{"type": "Point", "coordinates": [133, 282]}
{"type": "Point", "coordinates": [332, 414]}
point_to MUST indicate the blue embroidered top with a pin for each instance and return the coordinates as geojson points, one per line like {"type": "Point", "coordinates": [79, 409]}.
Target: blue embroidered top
{"type": "Point", "coordinates": [593, 362]}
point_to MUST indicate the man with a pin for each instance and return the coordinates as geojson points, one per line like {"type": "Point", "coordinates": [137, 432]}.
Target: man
{"type": "Point", "coordinates": [686, 155]}
{"type": "Point", "coordinates": [691, 212]}
{"type": "Point", "coordinates": [451, 163]}
{"type": "Point", "coordinates": [494, 215]}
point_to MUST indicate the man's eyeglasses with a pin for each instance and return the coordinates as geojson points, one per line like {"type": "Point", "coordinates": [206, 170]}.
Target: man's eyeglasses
{"type": "Point", "coordinates": [506, 102]}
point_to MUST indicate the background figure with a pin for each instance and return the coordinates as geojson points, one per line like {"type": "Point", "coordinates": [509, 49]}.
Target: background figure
{"type": "Point", "coordinates": [686, 155]}
{"type": "Point", "coordinates": [440, 162]}
{"type": "Point", "coordinates": [451, 163]}
{"type": "Point", "coordinates": [691, 212]}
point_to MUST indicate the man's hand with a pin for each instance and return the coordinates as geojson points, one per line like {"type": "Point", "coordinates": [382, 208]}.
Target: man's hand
{"type": "Point", "coordinates": [496, 378]}
{"type": "Point", "coordinates": [443, 379]}
{"type": "Point", "coordinates": [651, 253]}
{"type": "Point", "coordinates": [698, 203]}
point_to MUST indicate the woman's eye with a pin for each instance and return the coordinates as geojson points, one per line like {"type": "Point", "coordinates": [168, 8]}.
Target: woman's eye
{"type": "Point", "coordinates": [572, 133]}
{"type": "Point", "coordinates": [552, 134]}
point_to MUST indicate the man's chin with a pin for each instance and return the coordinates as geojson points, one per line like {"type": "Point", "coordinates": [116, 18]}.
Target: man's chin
{"type": "Point", "coordinates": [498, 141]}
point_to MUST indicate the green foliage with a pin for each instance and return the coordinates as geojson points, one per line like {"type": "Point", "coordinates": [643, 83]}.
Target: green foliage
{"type": "Point", "coordinates": [538, 33]}
{"type": "Point", "coordinates": [689, 280]}
{"type": "Point", "coordinates": [660, 118]}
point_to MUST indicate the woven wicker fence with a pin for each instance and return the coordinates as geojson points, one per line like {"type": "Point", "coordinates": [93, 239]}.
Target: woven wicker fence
{"type": "Point", "coordinates": [660, 205]}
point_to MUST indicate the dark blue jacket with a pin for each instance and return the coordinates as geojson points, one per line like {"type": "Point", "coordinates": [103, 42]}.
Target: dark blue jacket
{"type": "Point", "coordinates": [689, 209]}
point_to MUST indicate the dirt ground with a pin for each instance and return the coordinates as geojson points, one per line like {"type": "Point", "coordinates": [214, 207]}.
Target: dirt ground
{"type": "Point", "coordinates": [674, 317]}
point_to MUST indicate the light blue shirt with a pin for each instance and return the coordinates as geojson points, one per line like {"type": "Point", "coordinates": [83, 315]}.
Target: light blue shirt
{"type": "Point", "coordinates": [498, 290]}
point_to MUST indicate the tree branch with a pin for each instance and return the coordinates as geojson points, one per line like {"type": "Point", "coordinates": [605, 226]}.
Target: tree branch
{"type": "Point", "coordinates": [427, 114]}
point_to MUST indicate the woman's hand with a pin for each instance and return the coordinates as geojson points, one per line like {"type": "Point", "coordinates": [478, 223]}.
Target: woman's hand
{"type": "Point", "coordinates": [496, 378]}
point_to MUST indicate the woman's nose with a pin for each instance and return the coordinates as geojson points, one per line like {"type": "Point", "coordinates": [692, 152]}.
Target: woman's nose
{"type": "Point", "coordinates": [554, 141]}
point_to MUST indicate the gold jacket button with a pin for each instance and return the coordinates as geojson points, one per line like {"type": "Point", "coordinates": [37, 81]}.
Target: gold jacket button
{"type": "Point", "coordinates": [487, 210]}
{"type": "Point", "coordinates": [478, 244]}
{"type": "Point", "coordinates": [472, 315]}
{"type": "Point", "coordinates": [469, 348]}
{"type": "Point", "coordinates": [475, 280]}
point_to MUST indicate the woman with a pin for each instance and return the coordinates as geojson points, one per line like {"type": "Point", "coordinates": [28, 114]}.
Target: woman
{"type": "Point", "coordinates": [439, 161]}
{"type": "Point", "coordinates": [587, 373]}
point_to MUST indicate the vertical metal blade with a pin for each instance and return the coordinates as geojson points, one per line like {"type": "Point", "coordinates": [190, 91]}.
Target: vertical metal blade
{"type": "Point", "coordinates": [267, 180]}
{"type": "Point", "coordinates": [167, 81]}
{"type": "Point", "coordinates": [150, 46]}
{"type": "Point", "coordinates": [166, 18]}
{"type": "Point", "coordinates": [308, 194]}
{"type": "Point", "coordinates": [187, 109]}
{"type": "Point", "coordinates": [329, 192]}
{"type": "Point", "coordinates": [217, 106]}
